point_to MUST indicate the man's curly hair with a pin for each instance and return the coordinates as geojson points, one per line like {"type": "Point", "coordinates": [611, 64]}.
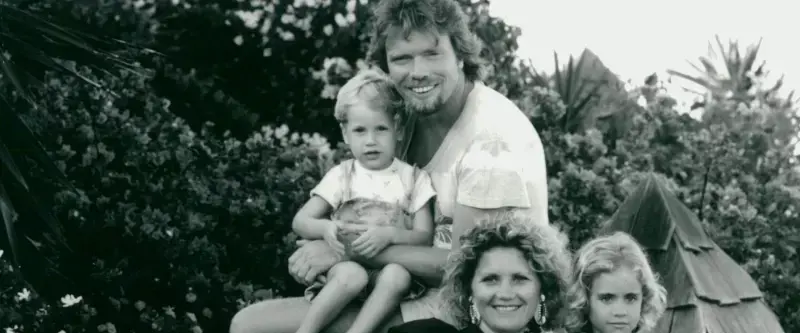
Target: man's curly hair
{"type": "Point", "coordinates": [437, 16]}
{"type": "Point", "coordinates": [543, 245]}
{"type": "Point", "coordinates": [604, 255]}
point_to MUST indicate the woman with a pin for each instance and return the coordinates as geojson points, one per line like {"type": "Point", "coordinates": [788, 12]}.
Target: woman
{"type": "Point", "coordinates": [613, 289]}
{"type": "Point", "coordinates": [509, 276]}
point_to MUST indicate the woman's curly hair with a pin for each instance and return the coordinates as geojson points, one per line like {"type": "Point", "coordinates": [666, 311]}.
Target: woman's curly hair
{"type": "Point", "coordinates": [439, 16]}
{"type": "Point", "coordinates": [543, 245]}
{"type": "Point", "coordinates": [604, 255]}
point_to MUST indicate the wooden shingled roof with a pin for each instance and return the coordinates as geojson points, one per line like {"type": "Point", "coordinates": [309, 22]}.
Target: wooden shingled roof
{"type": "Point", "coordinates": [708, 291]}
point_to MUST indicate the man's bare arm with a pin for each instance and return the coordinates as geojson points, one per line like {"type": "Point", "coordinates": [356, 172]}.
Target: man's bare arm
{"type": "Point", "coordinates": [428, 262]}
{"type": "Point", "coordinates": [424, 262]}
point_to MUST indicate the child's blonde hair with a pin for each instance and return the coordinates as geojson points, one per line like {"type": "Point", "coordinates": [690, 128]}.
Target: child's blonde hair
{"type": "Point", "coordinates": [606, 254]}
{"type": "Point", "coordinates": [369, 87]}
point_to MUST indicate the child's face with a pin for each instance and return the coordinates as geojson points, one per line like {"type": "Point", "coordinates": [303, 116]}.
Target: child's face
{"type": "Point", "coordinates": [615, 302]}
{"type": "Point", "coordinates": [371, 135]}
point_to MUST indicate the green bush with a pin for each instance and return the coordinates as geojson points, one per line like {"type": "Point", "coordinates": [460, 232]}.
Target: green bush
{"type": "Point", "coordinates": [180, 227]}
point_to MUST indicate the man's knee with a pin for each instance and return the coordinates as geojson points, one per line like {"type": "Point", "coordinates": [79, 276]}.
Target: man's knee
{"type": "Point", "coordinates": [348, 275]}
{"type": "Point", "coordinates": [394, 277]}
{"type": "Point", "coordinates": [346, 318]}
{"type": "Point", "coordinates": [281, 315]}
{"type": "Point", "coordinates": [241, 323]}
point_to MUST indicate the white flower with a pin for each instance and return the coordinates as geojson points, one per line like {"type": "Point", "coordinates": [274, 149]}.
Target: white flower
{"type": "Point", "coordinates": [1, 253]}
{"type": "Point", "coordinates": [281, 131]}
{"type": "Point", "coordinates": [23, 295]}
{"type": "Point", "coordinates": [340, 20]}
{"type": "Point", "coordinates": [642, 101]}
{"type": "Point", "coordinates": [286, 35]}
{"type": "Point", "coordinates": [288, 18]}
{"type": "Point", "coordinates": [70, 300]}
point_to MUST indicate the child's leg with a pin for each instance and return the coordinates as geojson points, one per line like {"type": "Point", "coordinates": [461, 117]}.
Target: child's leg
{"type": "Point", "coordinates": [391, 286]}
{"type": "Point", "coordinates": [345, 281]}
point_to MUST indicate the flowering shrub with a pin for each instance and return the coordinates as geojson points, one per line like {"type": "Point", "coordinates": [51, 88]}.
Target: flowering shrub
{"type": "Point", "coordinates": [22, 311]}
{"type": "Point", "coordinates": [180, 228]}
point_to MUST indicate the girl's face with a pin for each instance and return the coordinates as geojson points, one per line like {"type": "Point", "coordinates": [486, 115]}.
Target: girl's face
{"type": "Point", "coordinates": [615, 301]}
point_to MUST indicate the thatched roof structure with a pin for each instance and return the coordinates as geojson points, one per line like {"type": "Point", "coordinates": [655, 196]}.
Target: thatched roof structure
{"type": "Point", "coordinates": [708, 291]}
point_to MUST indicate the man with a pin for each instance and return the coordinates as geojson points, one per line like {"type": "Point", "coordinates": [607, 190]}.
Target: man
{"type": "Point", "coordinates": [482, 153]}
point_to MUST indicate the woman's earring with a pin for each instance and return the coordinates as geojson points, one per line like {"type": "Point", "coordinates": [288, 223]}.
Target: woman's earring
{"type": "Point", "coordinates": [541, 312]}
{"type": "Point", "coordinates": [474, 316]}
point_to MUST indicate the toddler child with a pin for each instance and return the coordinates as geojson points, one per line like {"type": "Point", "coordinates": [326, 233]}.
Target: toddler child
{"type": "Point", "coordinates": [388, 197]}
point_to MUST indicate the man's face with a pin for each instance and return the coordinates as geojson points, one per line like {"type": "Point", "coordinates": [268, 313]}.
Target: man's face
{"type": "Point", "coordinates": [424, 68]}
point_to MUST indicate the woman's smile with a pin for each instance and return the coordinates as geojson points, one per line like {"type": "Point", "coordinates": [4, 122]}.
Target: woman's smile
{"type": "Point", "coordinates": [506, 308]}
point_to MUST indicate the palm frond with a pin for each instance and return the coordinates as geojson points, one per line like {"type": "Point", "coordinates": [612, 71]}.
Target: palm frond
{"type": "Point", "coordinates": [30, 45]}
{"type": "Point", "coordinates": [575, 90]}
{"type": "Point", "coordinates": [735, 80]}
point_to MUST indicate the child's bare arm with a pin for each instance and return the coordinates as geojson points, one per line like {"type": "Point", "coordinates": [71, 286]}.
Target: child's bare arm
{"type": "Point", "coordinates": [421, 232]}
{"type": "Point", "coordinates": [309, 222]}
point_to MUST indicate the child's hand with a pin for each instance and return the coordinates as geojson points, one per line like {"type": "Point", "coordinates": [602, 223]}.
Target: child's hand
{"type": "Point", "coordinates": [372, 241]}
{"type": "Point", "coordinates": [331, 234]}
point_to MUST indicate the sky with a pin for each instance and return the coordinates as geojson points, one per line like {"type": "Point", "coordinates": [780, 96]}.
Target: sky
{"type": "Point", "coordinates": [635, 38]}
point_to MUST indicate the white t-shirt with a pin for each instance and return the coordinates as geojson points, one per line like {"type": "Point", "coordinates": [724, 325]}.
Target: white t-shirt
{"type": "Point", "coordinates": [396, 185]}
{"type": "Point", "coordinates": [492, 157]}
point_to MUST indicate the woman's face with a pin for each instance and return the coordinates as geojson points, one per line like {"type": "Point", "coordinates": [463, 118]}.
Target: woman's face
{"type": "Point", "coordinates": [615, 301]}
{"type": "Point", "coordinates": [505, 291]}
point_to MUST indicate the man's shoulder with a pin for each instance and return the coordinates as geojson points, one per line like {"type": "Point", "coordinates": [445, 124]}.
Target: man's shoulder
{"type": "Point", "coordinates": [488, 96]}
{"type": "Point", "coordinates": [499, 118]}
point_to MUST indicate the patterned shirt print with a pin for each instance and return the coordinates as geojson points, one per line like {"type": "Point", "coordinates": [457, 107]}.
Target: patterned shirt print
{"type": "Point", "coordinates": [491, 158]}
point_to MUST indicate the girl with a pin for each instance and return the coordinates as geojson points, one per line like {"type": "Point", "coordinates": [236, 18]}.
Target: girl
{"type": "Point", "coordinates": [613, 288]}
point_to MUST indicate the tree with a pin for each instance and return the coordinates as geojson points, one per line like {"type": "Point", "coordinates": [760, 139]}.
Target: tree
{"type": "Point", "coordinates": [739, 81]}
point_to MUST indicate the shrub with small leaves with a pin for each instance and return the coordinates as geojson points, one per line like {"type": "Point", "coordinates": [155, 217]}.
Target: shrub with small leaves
{"type": "Point", "coordinates": [178, 228]}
